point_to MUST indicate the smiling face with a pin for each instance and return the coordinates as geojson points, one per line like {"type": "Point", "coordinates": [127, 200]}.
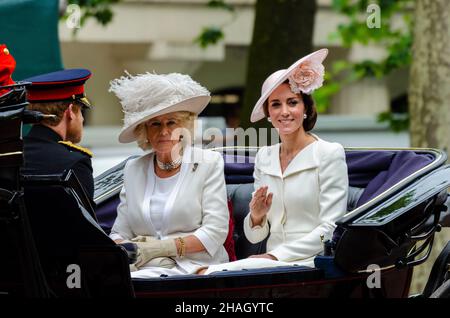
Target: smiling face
{"type": "Point", "coordinates": [286, 110]}
{"type": "Point", "coordinates": [163, 132]}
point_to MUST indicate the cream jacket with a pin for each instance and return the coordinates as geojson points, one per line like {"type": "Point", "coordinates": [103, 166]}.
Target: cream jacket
{"type": "Point", "coordinates": [197, 205]}
{"type": "Point", "coordinates": [308, 198]}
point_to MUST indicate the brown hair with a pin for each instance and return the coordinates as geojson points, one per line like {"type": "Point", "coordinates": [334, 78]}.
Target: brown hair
{"type": "Point", "coordinates": [53, 108]}
{"type": "Point", "coordinates": [310, 110]}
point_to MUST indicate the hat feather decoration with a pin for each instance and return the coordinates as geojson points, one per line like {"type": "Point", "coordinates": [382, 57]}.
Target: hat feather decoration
{"type": "Point", "coordinates": [144, 96]}
{"type": "Point", "coordinates": [143, 93]}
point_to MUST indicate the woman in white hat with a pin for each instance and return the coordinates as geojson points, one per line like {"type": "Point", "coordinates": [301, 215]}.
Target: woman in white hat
{"type": "Point", "coordinates": [301, 183]}
{"type": "Point", "coordinates": [173, 203]}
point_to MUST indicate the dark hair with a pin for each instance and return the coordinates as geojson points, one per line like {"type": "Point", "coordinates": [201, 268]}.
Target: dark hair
{"type": "Point", "coordinates": [310, 110]}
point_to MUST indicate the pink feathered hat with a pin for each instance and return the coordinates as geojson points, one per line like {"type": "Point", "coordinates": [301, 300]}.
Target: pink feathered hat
{"type": "Point", "coordinates": [305, 75]}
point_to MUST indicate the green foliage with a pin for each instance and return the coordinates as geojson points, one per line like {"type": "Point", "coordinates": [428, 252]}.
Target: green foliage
{"type": "Point", "coordinates": [397, 42]}
{"type": "Point", "coordinates": [322, 95]}
{"type": "Point", "coordinates": [100, 10]}
{"type": "Point", "coordinates": [397, 121]}
{"type": "Point", "coordinates": [211, 35]}
{"type": "Point", "coordinates": [220, 4]}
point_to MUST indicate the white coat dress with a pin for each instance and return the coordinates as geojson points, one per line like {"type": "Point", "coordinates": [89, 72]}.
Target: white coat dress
{"type": "Point", "coordinates": [196, 206]}
{"type": "Point", "coordinates": [308, 198]}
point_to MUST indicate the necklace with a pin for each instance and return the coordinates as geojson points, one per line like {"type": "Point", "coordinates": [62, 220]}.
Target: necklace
{"type": "Point", "coordinates": [172, 165]}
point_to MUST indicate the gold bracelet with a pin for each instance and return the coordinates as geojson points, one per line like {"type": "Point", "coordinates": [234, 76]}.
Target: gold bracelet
{"type": "Point", "coordinates": [182, 250]}
{"type": "Point", "coordinates": [178, 246]}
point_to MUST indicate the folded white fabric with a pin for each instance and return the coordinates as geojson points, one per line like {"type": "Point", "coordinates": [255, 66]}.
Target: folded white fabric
{"type": "Point", "coordinates": [247, 263]}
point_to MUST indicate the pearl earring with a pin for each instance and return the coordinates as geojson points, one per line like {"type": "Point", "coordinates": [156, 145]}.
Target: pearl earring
{"type": "Point", "coordinates": [269, 119]}
{"type": "Point", "coordinates": [305, 116]}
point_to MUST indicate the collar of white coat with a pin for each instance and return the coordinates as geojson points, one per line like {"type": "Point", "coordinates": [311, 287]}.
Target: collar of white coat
{"type": "Point", "coordinates": [307, 158]}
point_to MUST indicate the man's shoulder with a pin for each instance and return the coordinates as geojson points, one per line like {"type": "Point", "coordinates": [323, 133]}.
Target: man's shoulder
{"type": "Point", "coordinates": [44, 141]}
{"type": "Point", "coordinates": [63, 151]}
{"type": "Point", "coordinates": [47, 156]}
{"type": "Point", "coordinates": [76, 149]}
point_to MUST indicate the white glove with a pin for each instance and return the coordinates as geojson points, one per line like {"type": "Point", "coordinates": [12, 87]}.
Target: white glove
{"type": "Point", "coordinates": [150, 248]}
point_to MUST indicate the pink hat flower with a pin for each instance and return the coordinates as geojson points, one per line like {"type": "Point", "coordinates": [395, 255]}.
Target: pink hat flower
{"type": "Point", "coordinates": [307, 77]}
{"type": "Point", "coordinates": [304, 76]}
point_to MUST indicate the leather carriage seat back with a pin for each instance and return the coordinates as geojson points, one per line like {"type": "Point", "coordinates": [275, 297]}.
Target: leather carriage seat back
{"type": "Point", "coordinates": [377, 171]}
{"type": "Point", "coordinates": [240, 195]}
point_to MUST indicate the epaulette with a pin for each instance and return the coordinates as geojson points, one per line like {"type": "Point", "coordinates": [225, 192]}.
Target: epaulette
{"type": "Point", "coordinates": [79, 148]}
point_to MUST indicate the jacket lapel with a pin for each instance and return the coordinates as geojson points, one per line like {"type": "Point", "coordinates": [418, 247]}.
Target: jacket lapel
{"type": "Point", "coordinates": [304, 160]}
{"type": "Point", "coordinates": [269, 162]}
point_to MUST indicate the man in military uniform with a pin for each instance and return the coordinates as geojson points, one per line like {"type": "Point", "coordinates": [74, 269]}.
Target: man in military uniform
{"type": "Point", "coordinates": [50, 146]}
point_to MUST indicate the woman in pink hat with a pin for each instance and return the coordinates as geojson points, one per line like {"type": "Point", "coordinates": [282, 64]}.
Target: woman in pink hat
{"type": "Point", "coordinates": [301, 183]}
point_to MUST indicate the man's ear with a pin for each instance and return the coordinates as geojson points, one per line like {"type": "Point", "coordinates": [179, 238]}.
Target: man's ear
{"type": "Point", "coordinates": [70, 111]}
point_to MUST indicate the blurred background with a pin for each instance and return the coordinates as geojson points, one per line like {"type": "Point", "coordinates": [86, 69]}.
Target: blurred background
{"type": "Point", "coordinates": [212, 41]}
{"type": "Point", "coordinates": [388, 69]}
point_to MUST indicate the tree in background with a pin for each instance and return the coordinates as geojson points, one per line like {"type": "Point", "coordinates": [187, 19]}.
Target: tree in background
{"type": "Point", "coordinates": [370, 23]}
{"type": "Point", "coordinates": [429, 96]}
{"type": "Point", "coordinates": [283, 33]}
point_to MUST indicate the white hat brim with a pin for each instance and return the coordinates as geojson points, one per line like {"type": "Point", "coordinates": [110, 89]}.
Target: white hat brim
{"type": "Point", "coordinates": [194, 105]}
{"type": "Point", "coordinates": [258, 112]}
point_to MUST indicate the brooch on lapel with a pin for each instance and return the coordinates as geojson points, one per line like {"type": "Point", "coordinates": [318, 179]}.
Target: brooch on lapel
{"type": "Point", "coordinates": [195, 166]}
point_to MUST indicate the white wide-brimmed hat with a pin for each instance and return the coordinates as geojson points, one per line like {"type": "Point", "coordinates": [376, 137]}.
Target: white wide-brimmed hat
{"type": "Point", "coordinates": [146, 96]}
{"type": "Point", "coordinates": [304, 76]}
